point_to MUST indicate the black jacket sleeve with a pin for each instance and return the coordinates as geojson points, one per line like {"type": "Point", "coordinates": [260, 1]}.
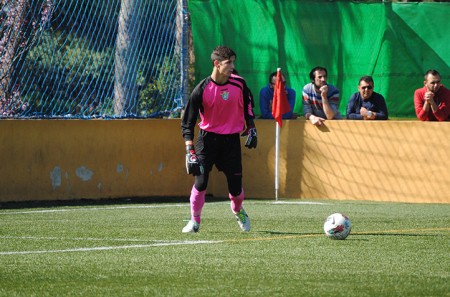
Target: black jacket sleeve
{"type": "Point", "coordinates": [191, 112]}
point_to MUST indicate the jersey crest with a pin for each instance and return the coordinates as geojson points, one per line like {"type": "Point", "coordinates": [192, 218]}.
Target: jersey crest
{"type": "Point", "coordinates": [225, 95]}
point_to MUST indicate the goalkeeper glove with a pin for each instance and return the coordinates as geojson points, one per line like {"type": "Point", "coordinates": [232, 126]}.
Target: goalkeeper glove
{"type": "Point", "coordinates": [193, 165]}
{"type": "Point", "coordinates": [252, 139]}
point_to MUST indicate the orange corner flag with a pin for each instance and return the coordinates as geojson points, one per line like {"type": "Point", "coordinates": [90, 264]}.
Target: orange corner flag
{"type": "Point", "coordinates": [280, 104]}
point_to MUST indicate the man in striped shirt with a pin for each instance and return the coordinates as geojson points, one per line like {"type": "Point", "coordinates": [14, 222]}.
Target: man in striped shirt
{"type": "Point", "coordinates": [320, 100]}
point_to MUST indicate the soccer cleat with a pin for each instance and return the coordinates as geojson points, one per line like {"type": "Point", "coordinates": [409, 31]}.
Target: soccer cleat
{"type": "Point", "coordinates": [243, 220]}
{"type": "Point", "coordinates": [191, 227]}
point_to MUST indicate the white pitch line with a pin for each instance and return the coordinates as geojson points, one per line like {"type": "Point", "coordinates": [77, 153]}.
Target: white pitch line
{"type": "Point", "coordinates": [93, 208]}
{"type": "Point", "coordinates": [78, 238]}
{"type": "Point", "coordinates": [108, 248]}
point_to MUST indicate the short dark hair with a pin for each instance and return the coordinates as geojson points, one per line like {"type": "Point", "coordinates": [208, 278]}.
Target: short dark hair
{"type": "Point", "coordinates": [271, 76]}
{"type": "Point", "coordinates": [222, 53]}
{"type": "Point", "coordinates": [367, 78]}
{"type": "Point", "coordinates": [432, 72]}
{"type": "Point", "coordinates": [274, 74]}
{"type": "Point", "coordinates": [312, 73]}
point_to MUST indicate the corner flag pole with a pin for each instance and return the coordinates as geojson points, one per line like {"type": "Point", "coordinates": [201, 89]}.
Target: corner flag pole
{"type": "Point", "coordinates": [280, 106]}
{"type": "Point", "coordinates": [277, 152]}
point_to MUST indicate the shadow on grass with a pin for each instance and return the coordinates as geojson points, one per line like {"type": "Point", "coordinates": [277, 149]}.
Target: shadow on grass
{"type": "Point", "coordinates": [110, 201]}
{"type": "Point", "coordinates": [387, 233]}
{"type": "Point", "coordinates": [381, 233]}
{"type": "Point", "coordinates": [288, 233]}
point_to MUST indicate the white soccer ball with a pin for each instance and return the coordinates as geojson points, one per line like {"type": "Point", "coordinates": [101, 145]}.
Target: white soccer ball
{"type": "Point", "coordinates": [337, 226]}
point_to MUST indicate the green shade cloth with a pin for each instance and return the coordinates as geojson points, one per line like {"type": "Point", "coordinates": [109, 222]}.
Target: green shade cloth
{"type": "Point", "coordinates": [394, 42]}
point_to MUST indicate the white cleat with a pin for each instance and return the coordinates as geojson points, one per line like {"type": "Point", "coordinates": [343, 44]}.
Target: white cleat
{"type": "Point", "coordinates": [243, 220]}
{"type": "Point", "coordinates": [191, 227]}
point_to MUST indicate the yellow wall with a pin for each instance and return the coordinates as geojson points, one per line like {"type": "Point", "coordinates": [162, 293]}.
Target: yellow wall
{"type": "Point", "coordinates": [405, 161]}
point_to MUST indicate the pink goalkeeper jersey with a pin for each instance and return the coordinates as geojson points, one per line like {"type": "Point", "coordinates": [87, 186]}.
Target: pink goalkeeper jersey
{"type": "Point", "coordinates": [223, 109]}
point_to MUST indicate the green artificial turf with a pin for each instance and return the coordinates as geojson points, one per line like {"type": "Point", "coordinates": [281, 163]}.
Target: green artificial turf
{"type": "Point", "coordinates": [129, 249]}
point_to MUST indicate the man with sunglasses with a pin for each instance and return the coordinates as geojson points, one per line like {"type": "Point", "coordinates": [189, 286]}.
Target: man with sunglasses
{"type": "Point", "coordinates": [432, 102]}
{"type": "Point", "coordinates": [366, 104]}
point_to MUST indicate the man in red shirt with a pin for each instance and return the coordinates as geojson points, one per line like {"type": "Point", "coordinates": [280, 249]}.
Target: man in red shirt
{"type": "Point", "coordinates": [432, 102]}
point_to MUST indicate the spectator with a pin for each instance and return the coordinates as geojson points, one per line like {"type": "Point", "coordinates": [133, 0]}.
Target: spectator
{"type": "Point", "coordinates": [432, 102]}
{"type": "Point", "coordinates": [266, 98]}
{"type": "Point", "coordinates": [320, 100]}
{"type": "Point", "coordinates": [366, 104]}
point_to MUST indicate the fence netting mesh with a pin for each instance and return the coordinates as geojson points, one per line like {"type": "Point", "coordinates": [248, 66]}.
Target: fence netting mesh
{"type": "Point", "coordinates": [87, 59]}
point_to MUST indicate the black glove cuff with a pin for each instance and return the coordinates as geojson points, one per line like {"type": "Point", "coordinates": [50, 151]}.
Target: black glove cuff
{"type": "Point", "coordinates": [190, 148]}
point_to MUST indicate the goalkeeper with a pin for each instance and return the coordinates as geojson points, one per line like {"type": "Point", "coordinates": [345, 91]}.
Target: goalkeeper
{"type": "Point", "coordinates": [225, 105]}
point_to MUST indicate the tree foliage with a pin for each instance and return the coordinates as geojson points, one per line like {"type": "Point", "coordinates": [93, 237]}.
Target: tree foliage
{"type": "Point", "coordinates": [60, 58]}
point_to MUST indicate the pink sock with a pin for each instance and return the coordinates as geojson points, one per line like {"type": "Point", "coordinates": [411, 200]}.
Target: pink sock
{"type": "Point", "coordinates": [197, 201]}
{"type": "Point", "coordinates": [236, 201]}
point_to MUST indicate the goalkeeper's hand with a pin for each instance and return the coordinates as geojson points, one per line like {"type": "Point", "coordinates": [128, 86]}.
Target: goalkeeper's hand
{"type": "Point", "coordinates": [252, 139]}
{"type": "Point", "coordinates": [193, 165]}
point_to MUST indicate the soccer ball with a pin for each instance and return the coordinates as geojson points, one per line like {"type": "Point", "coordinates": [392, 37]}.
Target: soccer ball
{"type": "Point", "coordinates": [337, 226]}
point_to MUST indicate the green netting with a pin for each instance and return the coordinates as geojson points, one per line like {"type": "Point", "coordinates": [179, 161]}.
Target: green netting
{"type": "Point", "coordinates": [394, 42]}
{"type": "Point", "coordinates": [87, 58]}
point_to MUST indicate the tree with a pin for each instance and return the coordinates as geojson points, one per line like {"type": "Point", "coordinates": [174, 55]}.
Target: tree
{"type": "Point", "coordinates": [21, 20]}
{"type": "Point", "coordinates": [125, 88]}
